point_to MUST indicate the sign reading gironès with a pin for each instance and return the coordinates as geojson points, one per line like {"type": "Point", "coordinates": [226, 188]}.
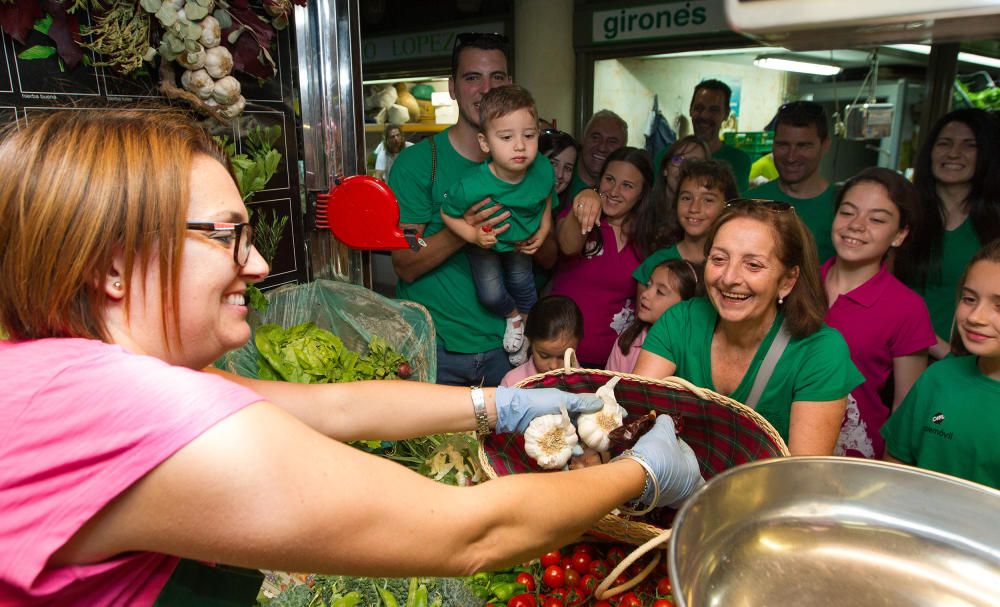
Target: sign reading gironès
{"type": "Point", "coordinates": [659, 21]}
{"type": "Point", "coordinates": [418, 45]}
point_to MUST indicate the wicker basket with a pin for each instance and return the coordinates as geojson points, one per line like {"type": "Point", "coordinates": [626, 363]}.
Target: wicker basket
{"type": "Point", "coordinates": [722, 433]}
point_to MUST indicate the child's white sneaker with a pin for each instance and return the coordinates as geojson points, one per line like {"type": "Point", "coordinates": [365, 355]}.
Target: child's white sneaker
{"type": "Point", "coordinates": [513, 335]}
{"type": "Point", "coordinates": [521, 356]}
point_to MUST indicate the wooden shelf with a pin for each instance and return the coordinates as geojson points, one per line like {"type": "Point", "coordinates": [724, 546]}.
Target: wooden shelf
{"type": "Point", "coordinates": [410, 127]}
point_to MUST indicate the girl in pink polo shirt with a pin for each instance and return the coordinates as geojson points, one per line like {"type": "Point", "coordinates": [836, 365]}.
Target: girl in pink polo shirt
{"type": "Point", "coordinates": [885, 324]}
{"type": "Point", "coordinates": [671, 281]}
{"type": "Point", "coordinates": [554, 324]}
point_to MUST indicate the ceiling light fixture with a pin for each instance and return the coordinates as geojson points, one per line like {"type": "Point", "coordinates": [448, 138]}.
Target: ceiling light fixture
{"type": "Point", "coordinates": [796, 65]}
{"type": "Point", "coordinates": [923, 49]}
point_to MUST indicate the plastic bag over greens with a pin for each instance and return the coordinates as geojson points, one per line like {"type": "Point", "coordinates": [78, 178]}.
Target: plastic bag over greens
{"type": "Point", "coordinates": [354, 314]}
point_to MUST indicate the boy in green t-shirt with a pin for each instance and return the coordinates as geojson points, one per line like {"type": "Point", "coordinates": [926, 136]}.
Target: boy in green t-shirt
{"type": "Point", "coordinates": [521, 183]}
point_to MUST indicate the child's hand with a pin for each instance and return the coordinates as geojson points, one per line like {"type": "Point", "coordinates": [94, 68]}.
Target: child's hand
{"type": "Point", "coordinates": [531, 245]}
{"type": "Point", "coordinates": [486, 237]}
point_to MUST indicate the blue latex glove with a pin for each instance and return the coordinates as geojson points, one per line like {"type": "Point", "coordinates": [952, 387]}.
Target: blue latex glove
{"type": "Point", "coordinates": [516, 407]}
{"type": "Point", "coordinates": [673, 463]}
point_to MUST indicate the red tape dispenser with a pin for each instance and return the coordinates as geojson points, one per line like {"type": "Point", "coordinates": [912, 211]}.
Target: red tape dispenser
{"type": "Point", "coordinates": [363, 213]}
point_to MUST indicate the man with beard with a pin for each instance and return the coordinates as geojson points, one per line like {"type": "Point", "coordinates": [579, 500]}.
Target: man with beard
{"type": "Point", "coordinates": [393, 143]}
{"type": "Point", "coordinates": [606, 132]}
{"type": "Point", "coordinates": [709, 109]}
{"type": "Point", "coordinates": [801, 139]}
{"type": "Point", "coordinates": [469, 337]}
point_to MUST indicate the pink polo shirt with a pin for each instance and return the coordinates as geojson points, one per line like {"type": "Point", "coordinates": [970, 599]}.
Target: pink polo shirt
{"type": "Point", "coordinates": [519, 372]}
{"type": "Point", "coordinates": [624, 363]}
{"type": "Point", "coordinates": [880, 320]}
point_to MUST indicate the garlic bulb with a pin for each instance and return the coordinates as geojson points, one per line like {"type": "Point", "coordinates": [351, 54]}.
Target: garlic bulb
{"type": "Point", "coordinates": [234, 109]}
{"type": "Point", "coordinates": [594, 427]}
{"type": "Point", "coordinates": [226, 90]}
{"type": "Point", "coordinates": [211, 32]}
{"type": "Point", "coordinates": [198, 82]}
{"type": "Point", "coordinates": [550, 439]}
{"type": "Point", "coordinates": [218, 62]}
{"type": "Point", "coordinates": [193, 61]}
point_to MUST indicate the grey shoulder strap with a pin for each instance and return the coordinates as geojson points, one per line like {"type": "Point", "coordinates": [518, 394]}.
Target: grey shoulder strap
{"type": "Point", "coordinates": [768, 365]}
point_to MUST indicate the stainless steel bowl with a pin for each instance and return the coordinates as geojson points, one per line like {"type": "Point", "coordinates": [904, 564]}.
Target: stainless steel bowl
{"type": "Point", "coordinates": [820, 531]}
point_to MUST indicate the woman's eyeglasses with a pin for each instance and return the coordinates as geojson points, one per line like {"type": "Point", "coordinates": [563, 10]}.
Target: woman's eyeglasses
{"type": "Point", "coordinates": [677, 159]}
{"type": "Point", "coordinates": [242, 235]}
{"type": "Point", "coordinates": [749, 203]}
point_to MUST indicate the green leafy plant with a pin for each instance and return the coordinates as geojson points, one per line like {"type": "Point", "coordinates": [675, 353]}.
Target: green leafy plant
{"type": "Point", "coordinates": [267, 233]}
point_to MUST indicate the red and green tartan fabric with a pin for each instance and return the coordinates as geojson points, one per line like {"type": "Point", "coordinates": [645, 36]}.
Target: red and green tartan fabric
{"type": "Point", "coordinates": [721, 435]}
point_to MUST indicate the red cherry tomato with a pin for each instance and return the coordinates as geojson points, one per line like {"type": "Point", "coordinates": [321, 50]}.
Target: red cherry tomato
{"type": "Point", "coordinates": [574, 597]}
{"type": "Point", "coordinates": [586, 549]}
{"type": "Point", "coordinates": [559, 594]}
{"type": "Point", "coordinates": [572, 577]}
{"type": "Point", "coordinates": [588, 584]}
{"type": "Point", "coordinates": [522, 600]}
{"type": "Point", "coordinates": [551, 558]}
{"type": "Point", "coordinates": [663, 603]}
{"type": "Point", "coordinates": [629, 599]}
{"type": "Point", "coordinates": [663, 587]}
{"type": "Point", "coordinates": [599, 568]}
{"type": "Point", "coordinates": [581, 562]}
{"type": "Point", "coordinates": [566, 562]}
{"type": "Point", "coordinates": [615, 555]}
{"type": "Point", "coordinates": [621, 579]}
{"type": "Point", "coordinates": [602, 604]}
{"type": "Point", "coordinates": [554, 577]}
{"type": "Point", "coordinates": [552, 602]}
{"type": "Point", "coordinates": [527, 579]}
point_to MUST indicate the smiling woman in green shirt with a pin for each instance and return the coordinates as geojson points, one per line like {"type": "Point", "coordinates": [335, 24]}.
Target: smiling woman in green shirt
{"type": "Point", "coordinates": [762, 280]}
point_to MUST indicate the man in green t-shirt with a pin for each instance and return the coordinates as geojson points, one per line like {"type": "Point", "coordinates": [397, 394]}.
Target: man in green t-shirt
{"type": "Point", "coordinates": [801, 139]}
{"type": "Point", "coordinates": [469, 337]}
{"type": "Point", "coordinates": [709, 109]}
{"type": "Point", "coordinates": [606, 132]}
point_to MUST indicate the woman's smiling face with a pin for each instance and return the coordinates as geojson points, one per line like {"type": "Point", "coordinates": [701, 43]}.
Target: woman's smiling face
{"type": "Point", "coordinates": [621, 185]}
{"type": "Point", "coordinates": [743, 275]}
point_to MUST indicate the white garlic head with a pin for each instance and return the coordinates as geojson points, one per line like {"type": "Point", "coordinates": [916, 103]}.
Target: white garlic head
{"type": "Point", "coordinates": [198, 82]}
{"type": "Point", "coordinates": [211, 32]}
{"type": "Point", "coordinates": [550, 439]}
{"type": "Point", "coordinates": [218, 62]}
{"type": "Point", "coordinates": [234, 109]}
{"type": "Point", "coordinates": [193, 60]}
{"type": "Point", "coordinates": [226, 90]}
{"type": "Point", "coordinates": [595, 427]}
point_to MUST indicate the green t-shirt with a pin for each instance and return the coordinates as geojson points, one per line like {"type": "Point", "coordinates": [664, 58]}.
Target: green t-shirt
{"type": "Point", "coordinates": [949, 422]}
{"type": "Point", "coordinates": [941, 291]}
{"type": "Point", "coordinates": [447, 291]}
{"type": "Point", "coordinates": [577, 183]}
{"type": "Point", "coordinates": [814, 368]}
{"type": "Point", "coordinates": [645, 269]}
{"type": "Point", "coordinates": [525, 200]}
{"type": "Point", "coordinates": [817, 213]}
{"type": "Point", "coordinates": [739, 161]}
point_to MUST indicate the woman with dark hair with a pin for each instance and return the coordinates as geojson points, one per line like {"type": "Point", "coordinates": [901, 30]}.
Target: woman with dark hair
{"type": "Point", "coordinates": [561, 150]}
{"type": "Point", "coordinates": [598, 250]}
{"type": "Point", "coordinates": [759, 336]}
{"type": "Point", "coordinates": [554, 325]}
{"type": "Point", "coordinates": [958, 176]}
{"type": "Point", "coordinates": [885, 324]}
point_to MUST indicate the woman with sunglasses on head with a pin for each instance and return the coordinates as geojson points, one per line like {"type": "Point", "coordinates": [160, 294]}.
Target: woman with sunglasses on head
{"type": "Point", "coordinates": [759, 336]}
{"type": "Point", "coordinates": [957, 173]}
{"type": "Point", "coordinates": [562, 151]}
{"type": "Point", "coordinates": [129, 244]}
{"type": "Point", "coordinates": [599, 251]}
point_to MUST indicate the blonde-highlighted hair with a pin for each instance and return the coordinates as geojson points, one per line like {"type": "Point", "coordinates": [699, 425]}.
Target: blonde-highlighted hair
{"type": "Point", "coordinates": [78, 187]}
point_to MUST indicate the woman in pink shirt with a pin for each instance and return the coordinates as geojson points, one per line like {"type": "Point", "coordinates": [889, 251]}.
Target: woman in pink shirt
{"type": "Point", "coordinates": [672, 281]}
{"type": "Point", "coordinates": [885, 324]}
{"type": "Point", "coordinates": [127, 252]}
